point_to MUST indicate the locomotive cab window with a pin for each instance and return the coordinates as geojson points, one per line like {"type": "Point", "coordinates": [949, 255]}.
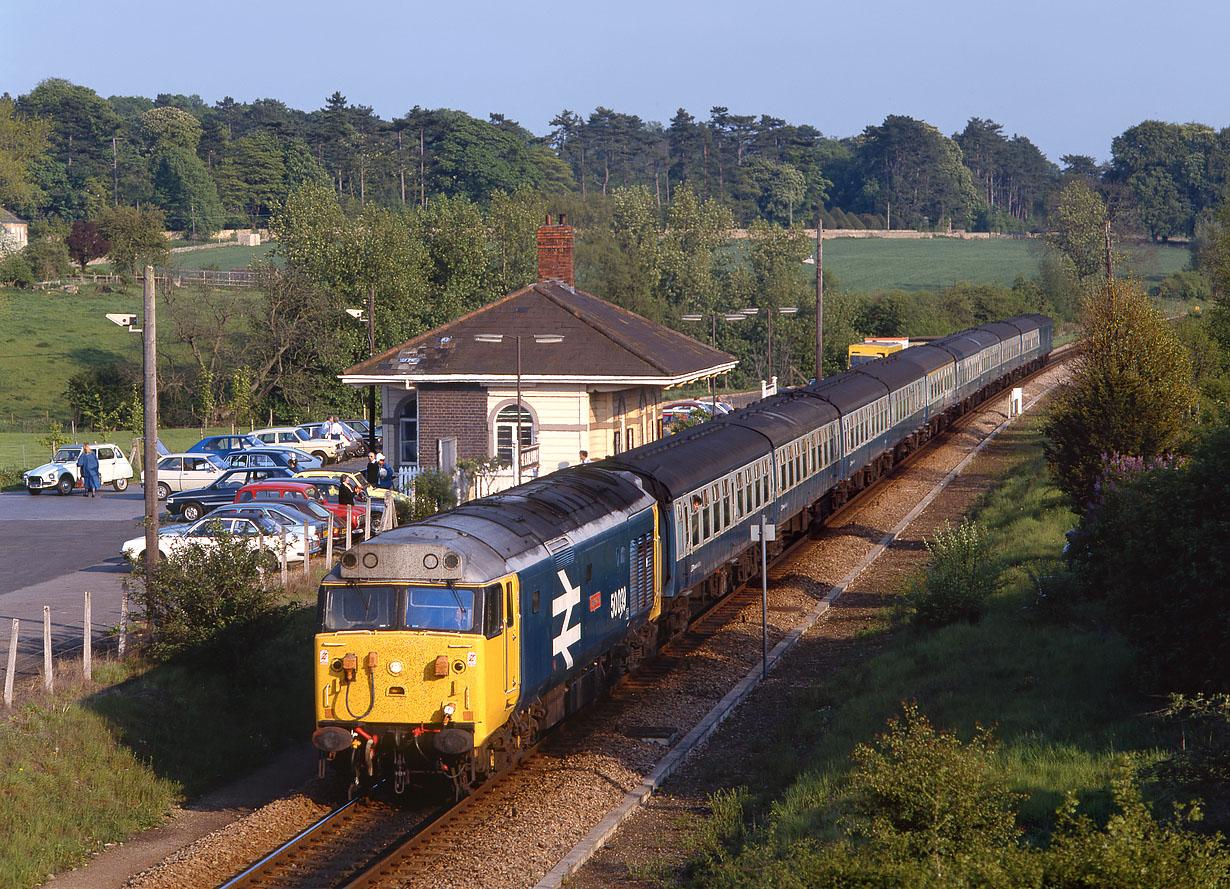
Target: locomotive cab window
{"type": "Point", "coordinates": [366, 607]}
{"type": "Point", "coordinates": [493, 610]}
{"type": "Point", "coordinates": [441, 608]}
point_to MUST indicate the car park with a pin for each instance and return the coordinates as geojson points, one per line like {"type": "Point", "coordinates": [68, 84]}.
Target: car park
{"type": "Point", "coordinates": [225, 444]}
{"type": "Point", "coordinates": [326, 450]}
{"type": "Point", "coordinates": [62, 474]}
{"type": "Point", "coordinates": [257, 531]}
{"type": "Point", "coordinates": [186, 472]}
{"type": "Point", "coordinates": [194, 504]}
{"type": "Point", "coordinates": [262, 457]}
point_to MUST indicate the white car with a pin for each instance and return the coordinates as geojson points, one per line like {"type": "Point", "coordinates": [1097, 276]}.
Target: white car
{"type": "Point", "coordinates": [260, 532]}
{"type": "Point", "coordinates": [326, 450]}
{"type": "Point", "coordinates": [186, 472]}
{"type": "Point", "coordinates": [62, 474]}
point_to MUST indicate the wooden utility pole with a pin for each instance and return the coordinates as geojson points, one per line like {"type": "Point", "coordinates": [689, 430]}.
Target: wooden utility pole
{"type": "Point", "coordinates": [371, 353]}
{"type": "Point", "coordinates": [1109, 274]}
{"type": "Point", "coordinates": [819, 299]}
{"type": "Point", "coordinates": [150, 364]}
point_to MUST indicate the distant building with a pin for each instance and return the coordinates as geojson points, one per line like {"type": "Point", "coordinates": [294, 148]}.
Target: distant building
{"type": "Point", "coordinates": [17, 229]}
{"type": "Point", "coordinates": [452, 393]}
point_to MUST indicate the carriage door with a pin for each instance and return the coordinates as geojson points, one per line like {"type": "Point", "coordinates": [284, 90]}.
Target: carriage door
{"type": "Point", "coordinates": [512, 635]}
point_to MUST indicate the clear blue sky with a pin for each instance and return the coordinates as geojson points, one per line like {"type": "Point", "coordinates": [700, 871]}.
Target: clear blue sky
{"type": "Point", "coordinates": [1070, 75]}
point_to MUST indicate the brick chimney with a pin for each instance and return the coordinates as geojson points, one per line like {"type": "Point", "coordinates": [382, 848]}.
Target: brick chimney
{"type": "Point", "coordinates": [555, 251]}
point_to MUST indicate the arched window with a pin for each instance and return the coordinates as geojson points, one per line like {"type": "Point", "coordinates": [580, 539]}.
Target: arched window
{"type": "Point", "coordinates": [506, 430]}
{"type": "Point", "coordinates": [408, 420]}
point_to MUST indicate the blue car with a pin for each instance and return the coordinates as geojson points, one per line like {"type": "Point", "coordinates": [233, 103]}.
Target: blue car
{"type": "Point", "coordinates": [225, 444]}
{"type": "Point", "coordinates": [266, 456]}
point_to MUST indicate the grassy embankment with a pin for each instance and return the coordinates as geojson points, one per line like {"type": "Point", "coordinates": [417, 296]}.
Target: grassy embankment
{"type": "Point", "coordinates": [1059, 692]}
{"type": "Point", "coordinates": [99, 761]}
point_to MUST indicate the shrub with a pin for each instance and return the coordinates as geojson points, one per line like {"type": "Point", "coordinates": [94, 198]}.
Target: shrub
{"type": "Point", "coordinates": [959, 578]}
{"type": "Point", "coordinates": [15, 270]}
{"type": "Point", "coordinates": [433, 491]}
{"type": "Point", "coordinates": [206, 597]}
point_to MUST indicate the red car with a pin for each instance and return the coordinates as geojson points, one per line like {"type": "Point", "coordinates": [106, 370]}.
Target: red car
{"type": "Point", "coordinates": [295, 490]}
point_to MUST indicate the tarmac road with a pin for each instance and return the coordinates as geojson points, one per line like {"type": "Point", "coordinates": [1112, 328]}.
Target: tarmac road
{"type": "Point", "coordinates": [52, 550]}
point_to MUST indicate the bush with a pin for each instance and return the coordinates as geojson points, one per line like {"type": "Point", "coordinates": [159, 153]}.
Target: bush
{"type": "Point", "coordinates": [15, 270]}
{"type": "Point", "coordinates": [1187, 287]}
{"type": "Point", "coordinates": [48, 258]}
{"type": "Point", "coordinates": [433, 491]}
{"type": "Point", "coordinates": [959, 578]}
{"type": "Point", "coordinates": [206, 597]}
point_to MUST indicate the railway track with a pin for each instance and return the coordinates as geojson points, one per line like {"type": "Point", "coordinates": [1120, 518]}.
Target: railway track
{"type": "Point", "coordinates": [411, 847]}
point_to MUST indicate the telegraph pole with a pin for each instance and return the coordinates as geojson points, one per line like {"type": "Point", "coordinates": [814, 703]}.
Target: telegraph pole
{"type": "Point", "coordinates": [150, 457]}
{"type": "Point", "coordinates": [819, 300]}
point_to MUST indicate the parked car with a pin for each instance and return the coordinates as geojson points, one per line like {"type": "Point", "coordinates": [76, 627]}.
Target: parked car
{"type": "Point", "coordinates": [297, 490]}
{"type": "Point", "coordinates": [374, 495]}
{"type": "Point", "coordinates": [362, 427]}
{"type": "Point", "coordinates": [285, 514]}
{"type": "Point", "coordinates": [62, 475]}
{"type": "Point", "coordinates": [258, 457]}
{"type": "Point", "coordinates": [194, 504]}
{"type": "Point", "coordinates": [258, 531]}
{"type": "Point", "coordinates": [225, 444]}
{"type": "Point", "coordinates": [326, 450]}
{"type": "Point", "coordinates": [353, 444]}
{"type": "Point", "coordinates": [180, 472]}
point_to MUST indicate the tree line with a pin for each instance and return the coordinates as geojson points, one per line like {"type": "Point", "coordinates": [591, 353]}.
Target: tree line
{"type": "Point", "coordinates": [66, 153]}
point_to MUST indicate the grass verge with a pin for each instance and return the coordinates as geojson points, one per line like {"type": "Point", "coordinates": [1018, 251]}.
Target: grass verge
{"type": "Point", "coordinates": [1059, 695]}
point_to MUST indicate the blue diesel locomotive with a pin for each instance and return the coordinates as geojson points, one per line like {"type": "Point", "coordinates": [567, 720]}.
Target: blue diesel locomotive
{"type": "Point", "coordinates": [447, 646]}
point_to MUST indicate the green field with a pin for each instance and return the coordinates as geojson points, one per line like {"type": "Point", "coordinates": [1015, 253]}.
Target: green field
{"type": "Point", "coordinates": [877, 265]}
{"type": "Point", "coordinates": [230, 256]}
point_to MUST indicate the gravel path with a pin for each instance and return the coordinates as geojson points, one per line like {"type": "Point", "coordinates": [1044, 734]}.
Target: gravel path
{"type": "Point", "coordinates": [556, 806]}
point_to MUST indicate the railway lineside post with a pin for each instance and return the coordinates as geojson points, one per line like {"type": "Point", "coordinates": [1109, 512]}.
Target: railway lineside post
{"type": "Point", "coordinates": [764, 532]}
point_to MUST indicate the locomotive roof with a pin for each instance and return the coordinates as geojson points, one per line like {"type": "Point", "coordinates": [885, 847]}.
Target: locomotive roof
{"type": "Point", "coordinates": [847, 391]}
{"type": "Point", "coordinates": [1031, 322]}
{"type": "Point", "coordinates": [496, 534]}
{"type": "Point", "coordinates": [671, 469]}
{"type": "Point", "coordinates": [783, 417]}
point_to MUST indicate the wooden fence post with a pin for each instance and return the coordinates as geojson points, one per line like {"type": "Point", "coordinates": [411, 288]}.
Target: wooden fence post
{"type": "Point", "coordinates": [123, 622]}
{"type": "Point", "coordinates": [87, 641]}
{"type": "Point", "coordinates": [329, 544]}
{"type": "Point", "coordinates": [349, 523]}
{"type": "Point", "coordinates": [283, 557]}
{"type": "Point", "coordinates": [12, 666]}
{"type": "Point", "coordinates": [48, 679]}
{"type": "Point", "coordinates": [307, 549]}
{"type": "Point", "coordinates": [367, 520]}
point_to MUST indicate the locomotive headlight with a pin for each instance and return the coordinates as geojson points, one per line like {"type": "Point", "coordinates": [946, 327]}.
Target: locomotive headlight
{"type": "Point", "coordinates": [449, 710]}
{"type": "Point", "coordinates": [394, 667]}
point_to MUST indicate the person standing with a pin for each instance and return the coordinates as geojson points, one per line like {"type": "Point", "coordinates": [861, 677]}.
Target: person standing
{"type": "Point", "coordinates": [372, 472]}
{"type": "Point", "coordinates": [87, 463]}
{"type": "Point", "coordinates": [386, 474]}
{"type": "Point", "coordinates": [584, 456]}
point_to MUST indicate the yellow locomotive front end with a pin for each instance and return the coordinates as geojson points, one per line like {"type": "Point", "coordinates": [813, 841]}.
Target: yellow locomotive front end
{"type": "Point", "coordinates": [417, 676]}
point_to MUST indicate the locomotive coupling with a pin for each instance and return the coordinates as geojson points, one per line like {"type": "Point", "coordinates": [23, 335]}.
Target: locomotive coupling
{"type": "Point", "coordinates": [350, 665]}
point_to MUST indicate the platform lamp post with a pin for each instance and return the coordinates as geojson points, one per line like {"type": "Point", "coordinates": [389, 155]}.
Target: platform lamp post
{"type": "Point", "coordinates": [781, 310]}
{"type": "Point", "coordinates": [499, 338]}
{"type": "Point", "coordinates": [712, 317]}
{"type": "Point", "coordinates": [358, 315]}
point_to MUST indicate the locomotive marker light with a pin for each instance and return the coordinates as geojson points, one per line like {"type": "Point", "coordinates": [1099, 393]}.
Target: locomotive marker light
{"type": "Point", "coordinates": [764, 532]}
{"type": "Point", "coordinates": [499, 338]}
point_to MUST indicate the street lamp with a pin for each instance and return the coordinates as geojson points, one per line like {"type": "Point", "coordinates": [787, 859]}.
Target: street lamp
{"type": "Point", "coordinates": [499, 338]}
{"type": "Point", "coordinates": [358, 315]}
{"type": "Point", "coordinates": [732, 317]}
